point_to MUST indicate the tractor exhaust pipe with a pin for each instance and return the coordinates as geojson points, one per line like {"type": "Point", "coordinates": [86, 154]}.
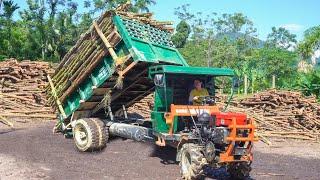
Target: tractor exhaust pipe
{"type": "Point", "coordinates": [129, 131]}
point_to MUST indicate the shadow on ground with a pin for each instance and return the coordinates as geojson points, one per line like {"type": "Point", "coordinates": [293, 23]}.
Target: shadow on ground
{"type": "Point", "coordinates": [167, 155]}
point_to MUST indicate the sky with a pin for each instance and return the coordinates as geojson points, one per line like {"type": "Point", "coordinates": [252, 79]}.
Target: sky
{"type": "Point", "coordinates": [294, 15]}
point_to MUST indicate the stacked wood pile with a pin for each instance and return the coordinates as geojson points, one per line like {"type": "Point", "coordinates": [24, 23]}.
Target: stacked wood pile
{"type": "Point", "coordinates": [21, 89]}
{"type": "Point", "coordinates": [90, 49]}
{"type": "Point", "coordinates": [283, 114]}
{"type": "Point", "coordinates": [142, 107]}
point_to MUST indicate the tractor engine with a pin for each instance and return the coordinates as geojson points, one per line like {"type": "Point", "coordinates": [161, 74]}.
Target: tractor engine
{"type": "Point", "coordinates": [215, 135]}
{"type": "Point", "coordinates": [209, 131]}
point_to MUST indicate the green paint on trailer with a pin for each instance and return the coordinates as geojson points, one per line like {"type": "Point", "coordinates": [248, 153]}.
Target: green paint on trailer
{"type": "Point", "coordinates": [98, 76]}
{"type": "Point", "coordinates": [146, 43]}
{"type": "Point", "coordinates": [143, 42]}
{"type": "Point", "coordinates": [169, 69]}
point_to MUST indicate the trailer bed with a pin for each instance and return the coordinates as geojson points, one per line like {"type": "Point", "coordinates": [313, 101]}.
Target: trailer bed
{"type": "Point", "coordinates": [105, 82]}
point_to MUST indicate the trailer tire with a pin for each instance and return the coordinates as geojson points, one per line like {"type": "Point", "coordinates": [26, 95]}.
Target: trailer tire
{"type": "Point", "coordinates": [85, 135]}
{"type": "Point", "coordinates": [103, 133]}
{"type": "Point", "coordinates": [240, 170]}
{"type": "Point", "coordinates": [192, 161]}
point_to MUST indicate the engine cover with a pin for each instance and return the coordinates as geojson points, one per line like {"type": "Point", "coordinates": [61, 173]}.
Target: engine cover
{"type": "Point", "coordinates": [225, 118]}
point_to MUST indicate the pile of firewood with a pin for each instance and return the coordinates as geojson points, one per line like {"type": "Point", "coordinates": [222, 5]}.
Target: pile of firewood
{"type": "Point", "coordinates": [21, 90]}
{"type": "Point", "coordinates": [283, 114]}
{"type": "Point", "coordinates": [142, 108]}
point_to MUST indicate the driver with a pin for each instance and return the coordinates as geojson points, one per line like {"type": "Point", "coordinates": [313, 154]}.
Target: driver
{"type": "Point", "coordinates": [196, 92]}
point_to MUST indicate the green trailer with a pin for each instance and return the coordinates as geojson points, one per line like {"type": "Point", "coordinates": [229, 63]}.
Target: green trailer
{"type": "Point", "coordinates": [93, 106]}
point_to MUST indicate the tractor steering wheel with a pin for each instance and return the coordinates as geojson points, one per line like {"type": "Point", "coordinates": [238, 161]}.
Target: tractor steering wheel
{"type": "Point", "coordinates": [206, 100]}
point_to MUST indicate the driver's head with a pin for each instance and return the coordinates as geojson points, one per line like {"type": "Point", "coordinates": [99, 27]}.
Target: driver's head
{"type": "Point", "coordinates": [197, 84]}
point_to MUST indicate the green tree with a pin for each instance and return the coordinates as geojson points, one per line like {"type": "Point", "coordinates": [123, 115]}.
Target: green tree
{"type": "Point", "coordinates": [281, 37]}
{"type": "Point", "coordinates": [9, 7]}
{"type": "Point", "coordinates": [274, 61]}
{"type": "Point", "coordinates": [225, 40]}
{"type": "Point", "coordinates": [310, 43]}
{"type": "Point", "coordinates": [183, 12]}
{"type": "Point", "coordinates": [34, 19]}
{"type": "Point", "coordinates": [182, 33]}
{"type": "Point", "coordinates": [137, 5]}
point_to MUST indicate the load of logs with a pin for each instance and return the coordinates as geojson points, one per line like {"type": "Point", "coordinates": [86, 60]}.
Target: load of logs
{"type": "Point", "coordinates": [283, 114]}
{"type": "Point", "coordinates": [90, 49]}
{"type": "Point", "coordinates": [21, 90]}
{"type": "Point", "coordinates": [142, 108]}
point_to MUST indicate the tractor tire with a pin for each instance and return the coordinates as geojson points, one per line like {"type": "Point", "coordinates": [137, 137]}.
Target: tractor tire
{"type": "Point", "coordinates": [103, 133]}
{"type": "Point", "coordinates": [86, 135]}
{"type": "Point", "coordinates": [240, 170]}
{"type": "Point", "coordinates": [192, 161]}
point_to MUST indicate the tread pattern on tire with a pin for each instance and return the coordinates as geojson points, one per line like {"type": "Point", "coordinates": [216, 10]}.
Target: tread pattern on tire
{"type": "Point", "coordinates": [102, 133]}
{"type": "Point", "coordinates": [93, 135]}
{"type": "Point", "coordinates": [239, 170]}
{"type": "Point", "coordinates": [196, 167]}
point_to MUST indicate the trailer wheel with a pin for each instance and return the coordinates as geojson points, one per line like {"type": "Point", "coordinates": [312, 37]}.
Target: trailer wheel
{"type": "Point", "coordinates": [103, 133]}
{"type": "Point", "coordinates": [85, 135]}
{"type": "Point", "coordinates": [192, 161]}
{"type": "Point", "coordinates": [239, 170]}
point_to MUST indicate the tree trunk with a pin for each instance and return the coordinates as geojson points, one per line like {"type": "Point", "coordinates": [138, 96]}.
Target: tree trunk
{"type": "Point", "coordinates": [245, 84]}
{"type": "Point", "coordinates": [273, 81]}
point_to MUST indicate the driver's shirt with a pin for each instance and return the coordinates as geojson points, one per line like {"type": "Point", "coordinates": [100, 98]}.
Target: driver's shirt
{"type": "Point", "coordinates": [196, 92]}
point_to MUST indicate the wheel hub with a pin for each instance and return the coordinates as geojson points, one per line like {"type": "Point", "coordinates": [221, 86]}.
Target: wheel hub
{"type": "Point", "coordinates": [80, 135]}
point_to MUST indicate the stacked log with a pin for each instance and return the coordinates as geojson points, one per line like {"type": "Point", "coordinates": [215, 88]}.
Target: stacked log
{"type": "Point", "coordinates": [22, 89]}
{"type": "Point", "coordinates": [142, 108]}
{"type": "Point", "coordinates": [283, 114]}
{"type": "Point", "coordinates": [90, 49]}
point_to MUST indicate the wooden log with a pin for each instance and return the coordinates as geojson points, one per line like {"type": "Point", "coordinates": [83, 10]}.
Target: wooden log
{"type": "Point", "coordinates": [105, 41]}
{"type": "Point", "coordinates": [51, 116]}
{"type": "Point", "coordinates": [6, 121]}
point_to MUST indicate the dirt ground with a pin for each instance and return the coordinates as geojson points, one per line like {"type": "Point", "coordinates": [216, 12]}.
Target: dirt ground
{"type": "Point", "coordinates": [33, 152]}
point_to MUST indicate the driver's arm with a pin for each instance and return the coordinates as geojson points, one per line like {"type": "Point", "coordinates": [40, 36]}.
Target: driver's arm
{"type": "Point", "coordinates": [191, 96]}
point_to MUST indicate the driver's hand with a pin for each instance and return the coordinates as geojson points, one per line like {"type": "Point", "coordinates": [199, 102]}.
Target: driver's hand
{"type": "Point", "coordinates": [196, 98]}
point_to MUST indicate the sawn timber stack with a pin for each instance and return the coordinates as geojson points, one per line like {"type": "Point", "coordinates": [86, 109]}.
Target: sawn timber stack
{"type": "Point", "coordinates": [108, 66]}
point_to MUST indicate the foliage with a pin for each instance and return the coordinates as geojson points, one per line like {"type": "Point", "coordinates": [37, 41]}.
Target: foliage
{"type": "Point", "coordinates": [281, 37]}
{"type": "Point", "coordinates": [137, 5]}
{"type": "Point", "coordinates": [308, 83]}
{"type": "Point", "coordinates": [6, 26]}
{"type": "Point", "coordinates": [47, 29]}
{"type": "Point", "coordinates": [230, 40]}
{"type": "Point", "coordinates": [267, 62]}
{"type": "Point", "coordinates": [183, 30]}
{"type": "Point", "coordinates": [310, 43]}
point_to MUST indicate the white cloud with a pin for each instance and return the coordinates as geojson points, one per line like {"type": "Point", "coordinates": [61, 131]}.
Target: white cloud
{"type": "Point", "coordinates": [293, 27]}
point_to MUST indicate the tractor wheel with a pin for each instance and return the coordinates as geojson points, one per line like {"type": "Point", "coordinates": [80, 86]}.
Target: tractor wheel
{"type": "Point", "coordinates": [192, 161]}
{"type": "Point", "coordinates": [240, 170]}
{"type": "Point", "coordinates": [103, 133]}
{"type": "Point", "coordinates": [86, 135]}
